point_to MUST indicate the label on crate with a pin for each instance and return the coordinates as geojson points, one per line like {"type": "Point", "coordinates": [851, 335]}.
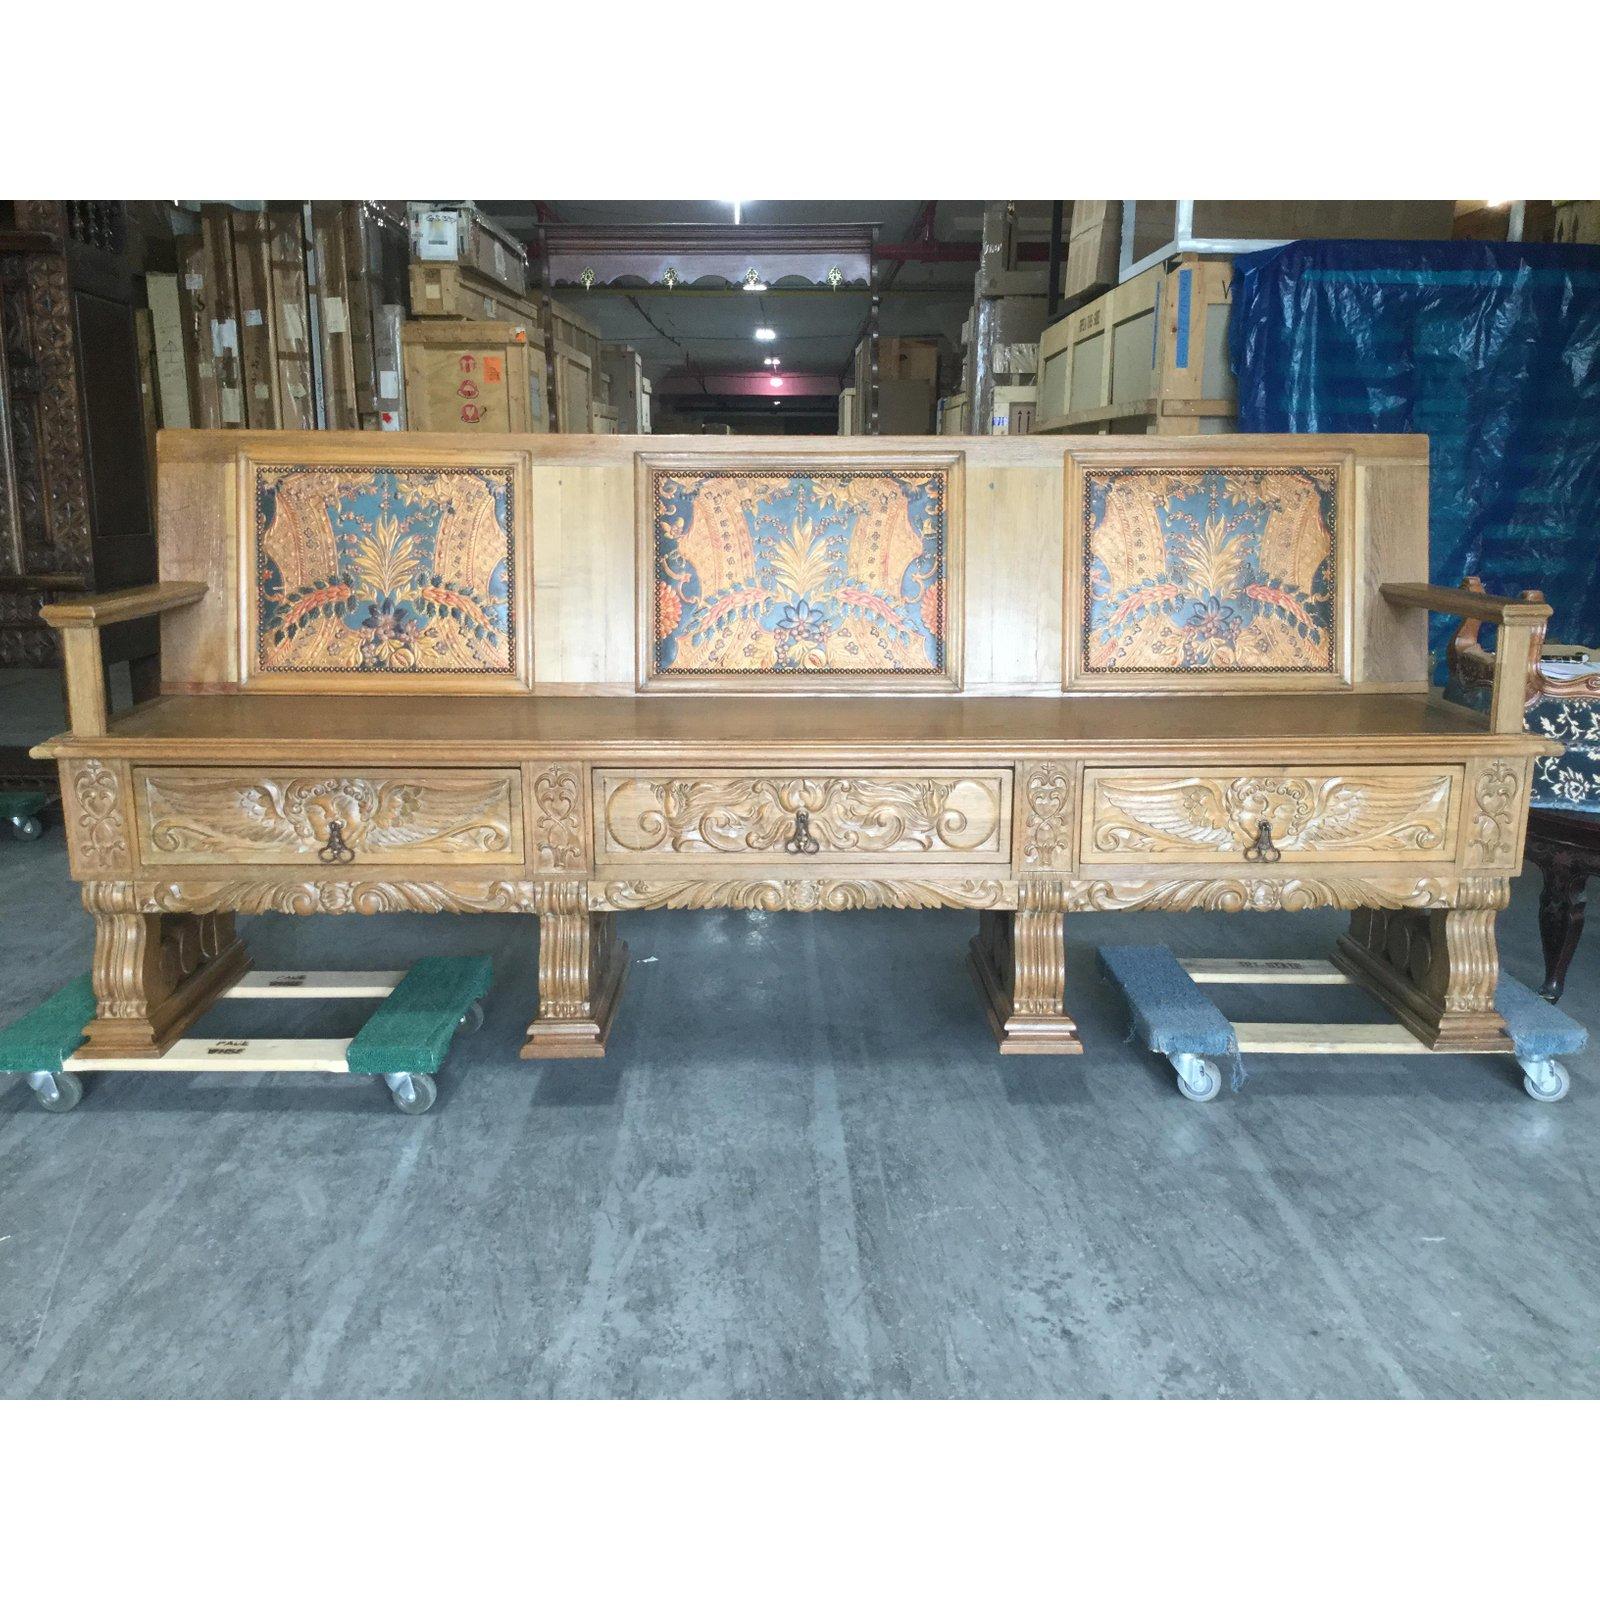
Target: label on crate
{"type": "Point", "coordinates": [493, 369]}
{"type": "Point", "coordinates": [253, 318]}
{"type": "Point", "coordinates": [194, 282]}
{"type": "Point", "coordinates": [388, 385]}
{"type": "Point", "coordinates": [333, 313]}
{"type": "Point", "coordinates": [232, 406]}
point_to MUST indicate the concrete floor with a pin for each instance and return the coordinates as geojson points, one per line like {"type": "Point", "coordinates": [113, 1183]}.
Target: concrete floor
{"type": "Point", "coordinates": [803, 1171]}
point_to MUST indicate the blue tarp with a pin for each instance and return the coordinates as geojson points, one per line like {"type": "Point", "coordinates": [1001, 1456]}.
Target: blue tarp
{"type": "Point", "coordinates": [1492, 350]}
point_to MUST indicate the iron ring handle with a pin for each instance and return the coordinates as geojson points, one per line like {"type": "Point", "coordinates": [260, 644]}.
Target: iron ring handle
{"type": "Point", "coordinates": [1263, 849]}
{"type": "Point", "coordinates": [800, 842]}
{"type": "Point", "coordinates": [336, 851]}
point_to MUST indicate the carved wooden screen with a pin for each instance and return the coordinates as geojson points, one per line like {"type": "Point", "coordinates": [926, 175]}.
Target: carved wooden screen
{"type": "Point", "coordinates": [1233, 575]}
{"type": "Point", "coordinates": [399, 576]}
{"type": "Point", "coordinates": [800, 576]}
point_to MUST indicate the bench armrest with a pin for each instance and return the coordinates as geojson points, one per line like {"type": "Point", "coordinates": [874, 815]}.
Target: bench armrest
{"type": "Point", "coordinates": [1515, 663]}
{"type": "Point", "coordinates": [79, 622]}
{"type": "Point", "coordinates": [120, 605]}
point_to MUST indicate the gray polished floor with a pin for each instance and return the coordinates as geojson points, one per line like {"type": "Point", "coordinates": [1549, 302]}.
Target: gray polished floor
{"type": "Point", "coordinates": [803, 1171]}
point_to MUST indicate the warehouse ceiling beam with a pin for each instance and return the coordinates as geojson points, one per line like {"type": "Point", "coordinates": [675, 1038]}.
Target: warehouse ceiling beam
{"type": "Point", "coordinates": [680, 256]}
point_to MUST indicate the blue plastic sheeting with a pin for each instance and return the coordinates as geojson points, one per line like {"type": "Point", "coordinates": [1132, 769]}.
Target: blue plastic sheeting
{"type": "Point", "coordinates": [1492, 350]}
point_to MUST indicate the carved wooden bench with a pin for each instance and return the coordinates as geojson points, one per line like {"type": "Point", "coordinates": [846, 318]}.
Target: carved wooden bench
{"type": "Point", "coordinates": [574, 675]}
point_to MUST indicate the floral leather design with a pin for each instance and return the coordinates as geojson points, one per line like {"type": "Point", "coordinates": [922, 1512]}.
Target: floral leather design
{"type": "Point", "coordinates": [801, 573]}
{"type": "Point", "coordinates": [1210, 571]}
{"type": "Point", "coordinates": [1571, 780]}
{"type": "Point", "coordinates": [380, 571]}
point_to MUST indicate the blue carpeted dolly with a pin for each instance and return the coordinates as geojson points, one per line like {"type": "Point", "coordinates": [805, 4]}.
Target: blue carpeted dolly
{"type": "Point", "coordinates": [404, 1041]}
{"type": "Point", "coordinates": [1171, 1015]}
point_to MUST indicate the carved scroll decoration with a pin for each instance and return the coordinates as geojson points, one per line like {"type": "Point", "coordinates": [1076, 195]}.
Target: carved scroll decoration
{"type": "Point", "coordinates": [1252, 894]}
{"type": "Point", "coordinates": [1494, 827]}
{"type": "Point", "coordinates": [803, 894]}
{"type": "Point", "coordinates": [1048, 815]}
{"type": "Point", "coordinates": [99, 833]}
{"type": "Point", "coordinates": [558, 819]}
{"type": "Point", "coordinates": [729, 816]}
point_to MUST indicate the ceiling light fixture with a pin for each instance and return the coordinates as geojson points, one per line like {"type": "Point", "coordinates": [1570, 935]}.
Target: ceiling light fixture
{"type": "Point", "coordinates": [753, 283]}
{"type": "Point", "coordinates": [777, 383]}
{"type": "Point", "coordinates": [766, 335]}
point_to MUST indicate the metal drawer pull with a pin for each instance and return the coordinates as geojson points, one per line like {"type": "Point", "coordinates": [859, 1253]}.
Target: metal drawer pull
{"type": "Point", "coordinates": [336, 850]}
{"type": "Point", "coordinates": [1263, 849]}
{"type": "Point", "coordinates": [800, 842]}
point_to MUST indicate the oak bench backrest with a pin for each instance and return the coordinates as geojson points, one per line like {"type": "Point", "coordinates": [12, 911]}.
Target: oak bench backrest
{"type": "Point", "coordinates": [594, 564]}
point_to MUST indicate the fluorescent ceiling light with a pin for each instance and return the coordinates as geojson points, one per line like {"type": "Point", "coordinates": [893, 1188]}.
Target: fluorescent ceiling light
{"type": "Point", "coordinates": [766, 335]}
{"type": "Point", "coordinates": [777, 383]}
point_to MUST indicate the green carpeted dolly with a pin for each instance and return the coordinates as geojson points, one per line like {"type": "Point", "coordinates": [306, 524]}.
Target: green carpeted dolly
{"type": "Point", "coordinates": [404, 1041]}
{"type": "Point", "coordinates": [21, 808]}
{"type": "Point", "coordinates": [1171, 1016]}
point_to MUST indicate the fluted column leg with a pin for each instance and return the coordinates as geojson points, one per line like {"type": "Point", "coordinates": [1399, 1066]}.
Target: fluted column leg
{"type": "Point", "coordinates": [1019, 962]}
{"type": "Point", "coordinates": [581, 967]}
{"type": "Point", "coordinates": [1436, 970]}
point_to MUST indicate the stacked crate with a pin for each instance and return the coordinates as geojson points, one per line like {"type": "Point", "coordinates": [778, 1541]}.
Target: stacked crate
{"type": "Point", "coordinates": [1151, 356]}
{"type": "Point", "coordinates": [282, 316]}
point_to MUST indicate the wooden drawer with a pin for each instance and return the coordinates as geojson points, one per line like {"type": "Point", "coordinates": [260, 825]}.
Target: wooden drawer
{"type": "Point", "coordinates": [298, 815]}
{"type": "Point", "coordinates": [1212, 814]}
{"type": "Point", "coordinates": [929, 815]}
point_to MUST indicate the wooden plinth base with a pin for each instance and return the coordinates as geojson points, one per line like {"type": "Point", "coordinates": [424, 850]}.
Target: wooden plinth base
{"type": "Point", "coordinates": [1018, 1035]}
{"type": "Point", "coordinates": [581, 1038]}
{"type": "Point", "coordinates": [169, 1019]}
{"type": "Point", "coordinates": [1439, 1029]}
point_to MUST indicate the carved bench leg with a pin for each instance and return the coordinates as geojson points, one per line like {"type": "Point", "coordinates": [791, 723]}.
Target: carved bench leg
{"type": "Point", "coordinates": [1019, 962]}
{"type": "Point", "coordinates": [581, 967]}
{"type": "Point", "coordinates": [155, 972]}
{"type": "Point", "coordinates": [1436, 970]}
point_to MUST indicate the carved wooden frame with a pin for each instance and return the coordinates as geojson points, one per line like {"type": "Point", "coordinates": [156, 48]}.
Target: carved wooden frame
{"type": "Point", "coordinates": [775, 463]}
{"type": "Point", "coordinates": [252, 459]}
{"type": "Point", "coordinates": [1209, 454]}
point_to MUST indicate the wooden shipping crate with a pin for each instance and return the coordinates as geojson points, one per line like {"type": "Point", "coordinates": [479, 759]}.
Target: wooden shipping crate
{"type": "Point", "coordinates": [474, 377]}
{"type": "Point", "coordinates": [210, 321]}
{"type": "Point", "coordinates": [333, 314]}
{"type": "Point", "coordinates": [953, 414]}
{"type": "Point", "coordinates": [629, 393]}
{"type": "Point", "coordinates": [605, 419]}
{"type": "Point", "coordinates": [447, 289]}
{"type": "Point", "coordinates": [1149, 357]}
{"type": "Point", "coordinates": [291, 316]}
{"type": "Point", "coordinates": [572, 388]}
{"type": "Point", "coordinates": [462, 234]}
{"type": "Point", "coordinates": [258, 344]}
{"type": "Point", "coordinates": [847, 411]}
{"type": "Point", "coordinates": [172, 373]}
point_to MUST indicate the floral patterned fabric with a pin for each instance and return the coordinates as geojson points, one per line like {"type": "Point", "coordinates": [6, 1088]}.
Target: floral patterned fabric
{"type": "Point", "coordinates": [374, 570]}
{"type": "Point", "coordinates": [1227, 570]}
{"type": "Point", "coordinates": [799, 573]}
{"type": "Point", "coordinates": [1571, 780]}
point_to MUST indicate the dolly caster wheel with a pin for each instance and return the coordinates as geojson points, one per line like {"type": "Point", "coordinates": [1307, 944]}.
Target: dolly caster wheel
{"type": "Point", "coordinates": [473, 1020]}
{"type": "Point", "coordinates": [1546, 1081]}
{"type": "Point", "coordinates": [27, 827]}
{"type": "Point", "coordinates": [412, 1092]}
{"type": "Point", "coordinates": [56, 1091]}
{"type": "Point", "coordinates": [1196, 1081]}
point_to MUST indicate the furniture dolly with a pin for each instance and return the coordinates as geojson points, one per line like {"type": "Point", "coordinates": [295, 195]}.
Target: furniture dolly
{"type": "Point", "coordinates": [1171, 1016]}
{"type": "Point", "coordinates": [572, 675]}
{"type": "Point", "coordinates": [404, 1041]}
{"type": "Point", "coordinates": [22, 808]}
